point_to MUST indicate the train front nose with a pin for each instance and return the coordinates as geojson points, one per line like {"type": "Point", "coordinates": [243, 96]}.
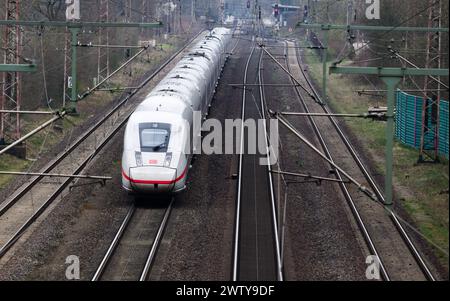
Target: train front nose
{"type": "Point", "coordinates": [153, 179]}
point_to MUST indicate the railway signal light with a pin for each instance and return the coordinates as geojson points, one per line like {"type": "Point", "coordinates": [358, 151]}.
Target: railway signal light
{"type": "Point", "coordinates": [276, 11]}
{"type": "Point", "coordinates": [248, 3]}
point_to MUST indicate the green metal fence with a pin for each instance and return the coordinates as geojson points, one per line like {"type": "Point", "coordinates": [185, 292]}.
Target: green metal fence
{"type": "Point", "coordinates": [409, 122]}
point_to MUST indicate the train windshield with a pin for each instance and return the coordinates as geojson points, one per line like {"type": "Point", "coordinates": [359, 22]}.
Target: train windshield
{"type": "Point", "coordinates": [154, 137]}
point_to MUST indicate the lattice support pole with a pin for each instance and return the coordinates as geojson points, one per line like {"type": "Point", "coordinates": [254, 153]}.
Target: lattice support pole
{"type": "Point", "coordinates": [429, 139]}
{"type": "Point", "coordinates": [10, 93]}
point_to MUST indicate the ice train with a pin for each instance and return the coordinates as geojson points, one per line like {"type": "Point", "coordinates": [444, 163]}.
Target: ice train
{"type": "Point", "coordinates": [154, 158]}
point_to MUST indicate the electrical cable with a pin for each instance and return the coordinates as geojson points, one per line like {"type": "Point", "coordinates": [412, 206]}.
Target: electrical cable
{"type": "Point", "coordinates": [120, 5]}
{"type": "Point", "coordinates": [398, 25]}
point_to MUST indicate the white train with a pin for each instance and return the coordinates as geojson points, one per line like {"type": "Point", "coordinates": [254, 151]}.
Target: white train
{"type": "Point", "coordinates": [229, 20]}
{"type": "Point", "coordinates": [154, 157]}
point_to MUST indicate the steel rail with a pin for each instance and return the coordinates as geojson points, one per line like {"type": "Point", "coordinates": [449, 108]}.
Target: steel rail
{"type": "Point", "coordinates": [344, 188]}
{"type": "Point", "coordinates": [420, 261]}
{"type": "Point", "coordinates": [239, 188]}
{"type": "Point", "coordinates": [22, 191]}
{"type": "Point", "coordinates": [156, 242]}
{"type": "Point", "coordinates": [270, 175]}
{"type": "Point", "coordinates": [113, 246]}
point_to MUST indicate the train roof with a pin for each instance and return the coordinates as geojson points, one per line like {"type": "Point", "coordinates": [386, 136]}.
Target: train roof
{"type": "Point", "coordinates": [174, 91]}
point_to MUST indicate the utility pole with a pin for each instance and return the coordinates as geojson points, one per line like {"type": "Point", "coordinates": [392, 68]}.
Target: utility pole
{"type": "Point", "coordinates": [72, 14]}
{"type": "Point", "coordinates": [391, 77]}
{"type": "Point", "coordinates": [169, 8]}
{"type": "Point", "coordinates": [325, 57]}
{"type": "Point", "coordinates": [313, 11]}
{"type": "Point", "coordinates": [128, 19]}
{"type": "Point", "coordinates": [10, 93]}
{"type": "Point", "coordinates": [67, 68]}
{"type": "Point", "coordinates": [222, 11]}
{"type": "Point", "coordinates": [350, 19]}
{"type": "Point", "coordinates": [178, 17]}
{"type": "Point", "coordinates": [349, 12]}
{"type": "Point", "coordinates": [327, 27]}
{"type": "Point", "coordinates": [103, 60]}
{"type": "Point", "coordinates": [74, 28]}
{"type": "Point", "coordinates": [429, 140]}
{"type": "Point", "coordinates": [129, 10]}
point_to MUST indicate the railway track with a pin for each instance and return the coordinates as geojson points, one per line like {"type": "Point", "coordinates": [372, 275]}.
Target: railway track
{"type": "Point", "coordinates": [273, 203]}
{"type": "Point", "coordinates": [256, 243]}
{"type": "Point", "coordinates": [369, 178]}
{"type": "Point", "coordinates": [361, 173]}
{"type": "Point", "coordinates": [135, 237]}
{"type": "Point", "coordinates": [19, 212]}
{"type": "Point", "coordinates": [342, 186]}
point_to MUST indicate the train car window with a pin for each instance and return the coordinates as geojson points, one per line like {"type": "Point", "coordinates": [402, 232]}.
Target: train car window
{"type": "Point", "coordinates": [154, 137]}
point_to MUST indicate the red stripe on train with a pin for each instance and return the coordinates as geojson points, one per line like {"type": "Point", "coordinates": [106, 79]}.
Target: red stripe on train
{"type": "Point", "coordinates": [136, 181]}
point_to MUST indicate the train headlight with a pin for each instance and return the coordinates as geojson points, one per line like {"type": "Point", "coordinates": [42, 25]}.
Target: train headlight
{"type": "Point", "coordinates": [168, 160]}
{"type": "Point", "coordinates": [138, 156]}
